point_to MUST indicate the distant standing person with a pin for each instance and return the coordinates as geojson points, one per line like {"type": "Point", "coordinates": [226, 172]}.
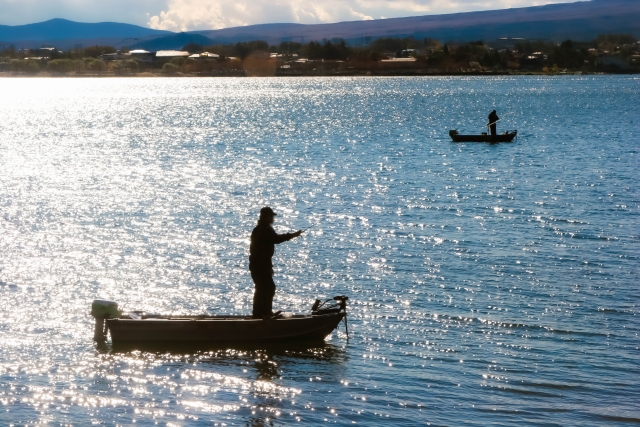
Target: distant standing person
{"type": "Point", "coordinates": [263, 241]}
{"type": "Point", "coordinates": [493, 119]}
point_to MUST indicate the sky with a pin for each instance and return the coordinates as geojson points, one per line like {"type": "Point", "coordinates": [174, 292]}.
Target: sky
{"type": "Point", "coordinates": [185, 15]}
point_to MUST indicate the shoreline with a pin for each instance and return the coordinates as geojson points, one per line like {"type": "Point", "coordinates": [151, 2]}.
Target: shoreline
{"type": "Point", "coordinates": [407, 73]}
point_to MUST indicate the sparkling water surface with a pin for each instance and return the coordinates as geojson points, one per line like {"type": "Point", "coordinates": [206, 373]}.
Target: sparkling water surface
{"type": "Point", "coordinates": [489, 284]}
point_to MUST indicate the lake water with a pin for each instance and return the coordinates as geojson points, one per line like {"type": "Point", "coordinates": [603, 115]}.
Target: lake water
{"type": "Point", "coordinates": [489, 284]}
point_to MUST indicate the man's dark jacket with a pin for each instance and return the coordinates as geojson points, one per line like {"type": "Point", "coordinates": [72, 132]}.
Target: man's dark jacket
{"type": "Point", "coordinates": [263, 241]}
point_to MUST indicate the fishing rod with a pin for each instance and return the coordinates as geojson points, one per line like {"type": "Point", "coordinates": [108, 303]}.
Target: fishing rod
{"type": "Point", "coordinates": [493, 123]}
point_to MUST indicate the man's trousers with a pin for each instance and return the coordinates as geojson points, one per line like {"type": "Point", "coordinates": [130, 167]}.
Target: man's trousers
{"type": "Point", "coordinates": [265, 289]}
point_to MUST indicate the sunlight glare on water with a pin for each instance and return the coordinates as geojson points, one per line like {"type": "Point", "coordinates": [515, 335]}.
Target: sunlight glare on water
{"type": "Point", "coordinates": [488, 284]}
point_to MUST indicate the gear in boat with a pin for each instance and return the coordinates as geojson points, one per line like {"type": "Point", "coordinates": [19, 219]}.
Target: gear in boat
{"type": "Point", "coordinates": [138, 326]}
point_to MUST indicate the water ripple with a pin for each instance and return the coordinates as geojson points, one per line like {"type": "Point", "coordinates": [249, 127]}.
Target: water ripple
{"type": "Point", "coordinates": [489, 283]}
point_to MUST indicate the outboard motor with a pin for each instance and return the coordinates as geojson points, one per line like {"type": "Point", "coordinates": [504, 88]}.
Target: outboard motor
{"type": "Point", "coordinates": [102, 310]}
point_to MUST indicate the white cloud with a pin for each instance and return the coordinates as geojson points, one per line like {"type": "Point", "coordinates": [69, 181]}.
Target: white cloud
{"type": "Point", "coordinates": [182, 15]}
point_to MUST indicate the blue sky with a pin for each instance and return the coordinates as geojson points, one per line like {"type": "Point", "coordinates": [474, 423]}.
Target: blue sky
{"type": "Point", "coordinates": [183, 15]}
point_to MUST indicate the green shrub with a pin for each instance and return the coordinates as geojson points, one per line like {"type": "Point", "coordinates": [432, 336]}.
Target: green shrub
{"type": "Point", "coordinates": [60, 66]}
{"type": "Point", "coordinates": [170, 68]}
{"type": "Point", "coordinates": [96, 65]}
{"type": "Point", "coordinates": [177, 61]}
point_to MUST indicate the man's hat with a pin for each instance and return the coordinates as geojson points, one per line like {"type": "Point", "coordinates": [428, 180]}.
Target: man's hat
{"type": "Point", "coordinates": [267, 212]}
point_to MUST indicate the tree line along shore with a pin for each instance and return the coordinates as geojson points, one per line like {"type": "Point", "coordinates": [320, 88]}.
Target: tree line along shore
{"type": "Point", "coordinates": [609, 53]}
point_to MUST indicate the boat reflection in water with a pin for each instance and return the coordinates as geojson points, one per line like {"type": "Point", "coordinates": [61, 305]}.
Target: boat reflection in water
{"type": "Point", "coordinates": [318, 350]}
{"type": "Point", "coordinates": [259, 374]}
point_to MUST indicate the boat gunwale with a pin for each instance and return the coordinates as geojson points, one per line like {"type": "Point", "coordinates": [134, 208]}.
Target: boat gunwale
{"type": "Point", "coordinates": [221, 318]}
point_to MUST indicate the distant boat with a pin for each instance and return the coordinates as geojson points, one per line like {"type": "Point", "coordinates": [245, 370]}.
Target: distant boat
{"type": "Point", "coordinates": [505, 137]}
{"type": "Point", "coordinates": [138, 327]}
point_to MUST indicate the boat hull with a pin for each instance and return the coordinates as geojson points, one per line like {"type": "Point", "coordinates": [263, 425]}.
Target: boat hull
{"type": "Point", "coordinates": [223, 329]}
{"type": "Point", "coordinates": [508, 137]}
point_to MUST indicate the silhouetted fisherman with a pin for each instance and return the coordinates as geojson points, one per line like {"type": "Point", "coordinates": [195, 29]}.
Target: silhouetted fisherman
{"type": "Point", "coordinates": [263, 241]}
{"type": "Point", "coordinates": [493, 119]}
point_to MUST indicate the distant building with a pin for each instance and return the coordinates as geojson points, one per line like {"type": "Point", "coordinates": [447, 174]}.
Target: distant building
{"type": "Point", "coordinates": [399, 60]}
{"type": "Point", "coordinates": [168, 54]}
{"type": "Point", "coordinates": [204, 56]}
{"type": "Point", "coordinates": [537, 55]}
{"type": "Point", "coordinates": [141, 55]}
{"type": "Point", "coordinates": [535, 60]}
{"type": "Point", "coordinates": [112, 56]}
{"type": "Point", "coordinates": [45, 51]}
{"type": "Point", "coordinates": [138, 54]}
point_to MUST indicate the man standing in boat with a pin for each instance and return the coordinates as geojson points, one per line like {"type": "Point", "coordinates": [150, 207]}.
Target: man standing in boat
{"type": "Point", "coordinates": [263, 241]}
{"type": "Point", "coordinates": [493, 119]}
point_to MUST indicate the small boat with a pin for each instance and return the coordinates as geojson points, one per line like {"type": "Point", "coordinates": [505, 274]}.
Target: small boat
{"type": "Point", "coordinates": [505, 137]}
{"type": "Point", "coordinates": [139, 327]}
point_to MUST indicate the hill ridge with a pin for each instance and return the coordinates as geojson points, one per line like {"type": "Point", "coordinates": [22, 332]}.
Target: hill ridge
{"type": "Point", "coordinates": [582, 20]}
{"type": "Point", "coordinates": [585, 19]}
{"type": "Point", "coordinates": [59, 29]}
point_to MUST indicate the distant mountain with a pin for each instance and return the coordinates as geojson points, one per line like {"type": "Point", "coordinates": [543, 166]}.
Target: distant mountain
{"type": "Point", "coordinates": [578, 21]}
{"type": "Point", "coordinates": [173, 41]}
{"type": "Point", "coordinates": [64, 34]}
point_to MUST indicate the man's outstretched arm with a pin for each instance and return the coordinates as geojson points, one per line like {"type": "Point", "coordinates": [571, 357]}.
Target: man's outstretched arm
{"type": "Point", "coordinates": [279, 238]}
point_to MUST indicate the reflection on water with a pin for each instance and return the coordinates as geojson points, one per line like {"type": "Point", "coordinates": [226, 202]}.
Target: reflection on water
{"type": "Point", "coordinates": [488, 283]}
{"type": "Point", "coordinates": [308, 350]}
{"type": "Point", "coordinates": [255, 377]}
